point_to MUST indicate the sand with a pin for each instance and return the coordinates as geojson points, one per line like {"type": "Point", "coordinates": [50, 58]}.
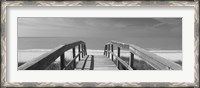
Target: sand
{"type": "Point", "coordinates": [29, 54]}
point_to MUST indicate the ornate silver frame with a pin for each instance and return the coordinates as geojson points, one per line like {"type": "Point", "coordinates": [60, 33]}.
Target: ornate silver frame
{"type": "Point", "coordinates": [4, 4]}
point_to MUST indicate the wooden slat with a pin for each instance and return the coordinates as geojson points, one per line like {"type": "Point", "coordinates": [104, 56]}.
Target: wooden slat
{"type": "Point", "coordinates": [62, 61]}
{"type": "Point", "coordinates": [87, 63]}
{"type": "Point", "coordinates": [103, 63]}
{"type": "Point", "coordinates": [106, 68]}
{"type": "Point", "coordinates": [112, 51]}
{"type": "Point", "coordinates": [131, 60]}
{"type": "Point", "coordinates": [105, 49]}
{"type": "Point", "coordinates": [82, 50]}
{"type": "Point", "coordinates": [74, 54]}
{"type": "Point", "coordinates": [92, 63]}
{"type": "Point", "coordinates": [108, 50]}
{"type": "Point", "coordinates": [79, 51]}
{"type": "Point", "coordinates": [81, 63]}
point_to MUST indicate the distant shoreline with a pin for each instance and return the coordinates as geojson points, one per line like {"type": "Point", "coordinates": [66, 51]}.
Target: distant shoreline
{"type": "Point", "coordinates": [154, 51]}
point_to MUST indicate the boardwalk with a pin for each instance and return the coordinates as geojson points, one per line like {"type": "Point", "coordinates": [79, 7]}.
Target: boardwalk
{"type": "Point", "coordinates": [82, 61]}
{"type": "Point", "coordinates": [101, 62]}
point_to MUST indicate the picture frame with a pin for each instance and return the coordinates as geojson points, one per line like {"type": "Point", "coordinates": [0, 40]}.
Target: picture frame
{"type": "Point", "coordinates": [6, 4]}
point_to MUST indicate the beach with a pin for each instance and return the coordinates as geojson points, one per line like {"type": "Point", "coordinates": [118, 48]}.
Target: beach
{"type": "Point", "coordinates": [29, 54]}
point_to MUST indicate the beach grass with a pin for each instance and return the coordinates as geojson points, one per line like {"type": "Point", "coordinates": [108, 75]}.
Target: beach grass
{"type": "Point", "coordinates": [138, 64]}
{"type": "Point", "coordinates": [179, 62]}
{"type": "Point", "coordinates": [142, 65]}
{"type": "Point", "coordinates": [53, 66]}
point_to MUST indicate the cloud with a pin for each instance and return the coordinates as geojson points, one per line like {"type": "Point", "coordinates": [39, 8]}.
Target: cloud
{"type": "Point", "coordinates": [170, 20]}
{"type": "Point", "coordinates": [164, 26]}
{"type": "Point", "coordinates": [98, 27]}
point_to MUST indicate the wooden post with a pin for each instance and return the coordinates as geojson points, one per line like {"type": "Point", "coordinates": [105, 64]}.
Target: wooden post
{"type": "Point", "coordinates": [118, 54]}
{"type": "Point", "coordinates": [105, 50]}
{"type": "Point", "coordinates": [62, 61]}
{"type": "Point", "coordinates": [82, 50]}
{"type": "Point", "coordinates": [85, 49]}
{"type": "Point", "coordinates": [108, 50]}
{"type": "Point", "coordinates": [112, 51]}
{"type": "Point", "coordinates": [79, 50]}
{"type": "Point", "coordinates": [118, 65]}
{"type": "Point", "coordinates": [74, 54]}
{"type": "Point", "coordinates": [131, 60]}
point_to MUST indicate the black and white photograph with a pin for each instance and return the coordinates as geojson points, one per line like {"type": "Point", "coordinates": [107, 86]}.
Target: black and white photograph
{"type": "Point", "coordinates": [99, 43]}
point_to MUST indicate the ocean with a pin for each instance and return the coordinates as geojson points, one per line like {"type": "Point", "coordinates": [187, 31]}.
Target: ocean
{"type": "Point", "coordinates": [97, 43]}
{"type": "Point", "coordinates": [32, 47]}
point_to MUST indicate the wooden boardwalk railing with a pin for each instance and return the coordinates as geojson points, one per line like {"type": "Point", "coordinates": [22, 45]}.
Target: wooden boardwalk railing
{"type": "Point", "coordinates": [42, 62]}
{"type": "Point", "coordinates": [154, 60]}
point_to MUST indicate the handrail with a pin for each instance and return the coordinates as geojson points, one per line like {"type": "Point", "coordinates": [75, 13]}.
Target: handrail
{"type": "Point", "coordinates": [123, 63]}
{"type": "Point", "coordinates": [157, 62]}
{"type": "Point", "coordinates": [120, 63]}
{"type": "Point", "coordinates": [71, 64]}
{"type": "Point", "coordinates": [43, 61]}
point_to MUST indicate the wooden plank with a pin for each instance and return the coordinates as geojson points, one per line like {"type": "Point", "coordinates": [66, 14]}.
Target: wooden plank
{"type": "Point", "coordinates": [85, 49]}
{"type": "Point", "coordinates": [81, 63]}
{"type": "Point", "coordinates": [100, 63]}
{"type": "Point", "coordinates": [112, 51]}
{"type": "Point", "coordinates": [92, 63]}
{"type": "Point", "coordinates": [79, 51]}
{"type": "Point", "coordinates": [118, 51]}
{"type": "Point", "coordinates": [82, 50]}
{"type": "Point", "coordinates": [74, 54]}
{"type": "Point", "coordinates": [108, 50]}
{"type": "Point", "coordinates": [105, 49]}
{"type": "Point", "coordinates": [105, 68]}
{"type": "Point", "coordinates": [131, 60]}
{"type": "Point", "coordinates": [85, 62]}
{"type": "Point", "coordinates": [62, 61]}
{"type": "Point", "coordinates": [87, 65]}
{"type": "Point", "coordinates": [103, 63]}
{"type": "Point", "coordinates": [118, 54]}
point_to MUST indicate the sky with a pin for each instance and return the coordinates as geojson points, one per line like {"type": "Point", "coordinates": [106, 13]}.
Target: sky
{"type": "Point", "coordinates": [158, 33]}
